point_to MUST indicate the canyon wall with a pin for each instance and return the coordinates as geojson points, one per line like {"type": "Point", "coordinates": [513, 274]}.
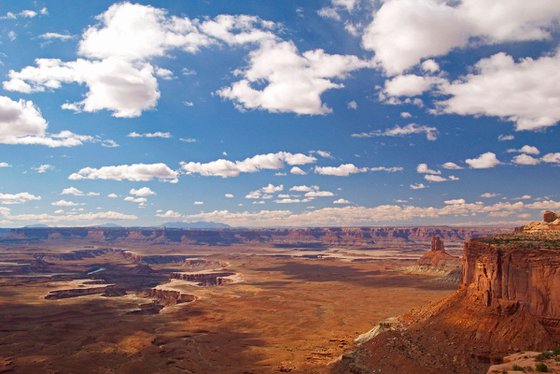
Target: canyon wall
{"type": "Point", "coordinates": [514, 275]}
{"type": "Point", "coordinates": [301, 237]}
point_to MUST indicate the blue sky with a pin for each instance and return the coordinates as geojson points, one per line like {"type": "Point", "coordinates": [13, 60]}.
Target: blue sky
{"type": "Point", "coordinates": [255, 113]}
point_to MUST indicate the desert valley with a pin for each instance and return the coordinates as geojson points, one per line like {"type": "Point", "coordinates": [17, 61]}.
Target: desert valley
{"type": "Point", "coordinates": [273, 300]}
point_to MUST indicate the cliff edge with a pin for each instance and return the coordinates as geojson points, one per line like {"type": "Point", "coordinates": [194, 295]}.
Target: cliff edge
{"type": "Point", "coordinates": [508, 301]}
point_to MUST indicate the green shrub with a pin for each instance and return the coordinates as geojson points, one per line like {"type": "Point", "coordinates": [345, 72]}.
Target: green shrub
{"type": "Point", "coordinates": [542, 368]}
{"type": "Point", "coordinates": [518, 368]}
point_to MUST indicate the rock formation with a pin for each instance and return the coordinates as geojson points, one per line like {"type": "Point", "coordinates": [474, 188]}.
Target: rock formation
{"type": "Point", "coordinates": [437, 260]}
{"type": "Point", "coordinates": [508, 301]}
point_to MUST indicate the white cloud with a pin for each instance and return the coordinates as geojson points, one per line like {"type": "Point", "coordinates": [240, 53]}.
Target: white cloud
{"type": "Point", "coordinates": [417, 186]}
{"type": "Point", "coordinates": [488, 195]}
{"type": "Point", "coordinates": [412, 128]}
{"type": "Point", "coordinates": [229, 195]}
{"type": "Point", "coordinates": [406, 115]}
{"type": "Point", "coordinates": [424, 169]}
{"type": "Point", "coordinates": [168, 214]}
{"type": "Point", "coordinates": [291, 201]}
{"type": "Point", "coordinates": [525, 159]}
{"type": "Point", "coordinates": [71, 219]}
{"type": "Point", "coordinates": [157, 134]}
{"type": "Point", "coordinates": [451, 166]}
{"type": "Point", "coordinates": [380, 214]}
{"type": "Point", "coordinates": [139, 200]}
{"type": "Point", "coordinates": [76, 192]}
{"type": "Point", "coordinates": [56, 36]}
{"type": "Point", "coordinates": [64, 203]}
{"type": "Point", "coordinates": [198, 203]}
{"type": "Point", "coordinates": [524, 92]}
{"type": "Point", "coordinates": [484, 161]}
{"type": "Point", "coordinates": [142, 192]}
{"type": "Point", "coordinates": [435, 178]}
{"type": "Point", "coordinates": [41, 169]}
{"type": "Point", "coordinates": [528, 149]}
{"type": "Point", "coordinates": [292, 82]}
{"type": "Point", "coordinates": [409, 85]}
{"type": "Point", "coordinates": [403, 32]}
{"type": "Point", "coordinates": [122, 87]}
{"type": "Point", "coordinates": [313, 194]}
{"type": "Point", "coordinates": [188, 140]}
{"type": "Point", "coordinates": [270, 188]}
{"type": "Point", "coordinates": [5, 165]}
{"type": "Point", "coordinates": [553, 158]}
{"type": "Point", "coordinates": [455, 202]}
{"type": "Point", "coordinates": [117, 69]}
{"type": "Point", "coordinates": [225, 168]}
{"type": "Point", "coordinates": [505, 138]}
{"type": "Point", "coordinates": [134, 172]}
{"type": "Point", "coordinates": [328, 12]}
{"type": "Point", "coordinates": [352, 105]}
{"type": "Point", "coordinates": [17, 198]}
{"type": "Point", "coordinates": [430, 66]}
{"type": "Point", "coordinates": [21, 122]}
{"type": "Point", "coordinates": [297, 171]}
{"type": "Point", "coordinates": [341, 201]}
{"type": "Point", "coordinates": [304, 188]}
{"type": "Point", "coordinates": [342, 170]}
{"type": "Point", "coordinates": [112, 195]}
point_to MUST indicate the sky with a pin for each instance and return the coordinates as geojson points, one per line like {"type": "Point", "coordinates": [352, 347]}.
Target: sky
{"type": "Point", "coordinates": [264, 113]}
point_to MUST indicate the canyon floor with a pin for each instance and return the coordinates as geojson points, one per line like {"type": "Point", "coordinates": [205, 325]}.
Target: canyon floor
{"type": "Point", "coordinates": [225, 309]}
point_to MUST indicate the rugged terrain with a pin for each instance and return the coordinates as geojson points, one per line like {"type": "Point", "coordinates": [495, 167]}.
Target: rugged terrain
{"type": "Point", "coordinates": [508, 300]}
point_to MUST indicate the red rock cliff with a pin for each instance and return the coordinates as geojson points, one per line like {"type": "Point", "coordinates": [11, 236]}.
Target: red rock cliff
{"type": "Point", "coordinates": [512, 273]}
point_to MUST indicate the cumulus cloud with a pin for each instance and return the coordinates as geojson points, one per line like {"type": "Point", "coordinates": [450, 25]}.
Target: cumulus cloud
{"type": "Point", "coordinates": [70, 219]}
{"type": "Point", "coordinates": [17, 198]}
{"type": "Point", "coordinates": [118, 50]}
{"type": "Point", "coordinates": [417, 186]}
{"type": "Point", "coordinates": [76, 192]}
{"type": "Point", "coordinates": [43, 168]}
{"type": "Point", "coordinates": [488, 195]}
{"type": "Point", "coordinates": [404, 32]}
{"type": "Point", "coordinates": [226, 168]}
{"type": "Point", "coordinates": [451, 166]}
{"type": "Point", "coordinates": [505, 138]}
{"type": "Point", "coordinates": [341, 202]}
{"type": "Point", "coordinates": [229, 195]}
{"type": "Point", "coordinates": [281, 79]}
{"type": "Point", "coordinates": [345, 170]}
{"type": "Point", "coordinates": [524, 92]}
{"type": "Point", "coordinates": [157, 134]}
{"type": "Point", "coordinates": [5, 165]}
{"type": "Point", "coordinates": [134, 173]}
{"type": "Point", "coordinates": [120, 86]}
{"type": "Point", "coordinates": [297, 171]}
{"type": "Point", "coordinates": [380, 214]}
{"type": "Point", "coordinates": [142, 192]}
{"type": "Point", "coordinates": [139, 200]}
{"type": "Point", "coordinates": [168, 214]}
{"type": "Point", "coordinates": [56, 36]}
{"type": "Point", "coordinates": [412, 128]}
{"type": "Point", "coordinates": [409, 85]}
{"type": "Point", "coordinates": [424, 169]}
{"type": "Point", "coordinates": [21, 122]}
{"type": "Point", "coordinates": [552, 158]}
{"type": "Point", "coordinates": [65, 203]}
{"type": "Point", "coordinates": [525, 159]}
{"type": "Point", "coordinates": [484, 161]}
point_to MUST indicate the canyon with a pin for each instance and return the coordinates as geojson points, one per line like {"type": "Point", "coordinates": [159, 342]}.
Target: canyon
{"type": "Point", "coordinates": [508, 301]}
{"type": "Point", "coordinates": [325, 300]}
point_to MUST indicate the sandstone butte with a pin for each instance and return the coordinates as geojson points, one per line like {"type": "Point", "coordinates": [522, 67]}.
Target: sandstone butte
{"type": "Point", "coordinates": [508, 301]}
{"type": "Point", "coordinates": [437, 259]}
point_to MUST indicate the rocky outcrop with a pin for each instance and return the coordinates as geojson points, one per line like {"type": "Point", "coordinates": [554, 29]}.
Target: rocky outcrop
{"type": "Point", "coordinates": [206, 279]}
{"type": "Point", "coordinates": [167, 297]}
{"type": "Point", "coordinates": [508, 300]}
{"type": "Point", "coordinates": [517, 272]}
{"type": "Point", "coordinates": [437, 260]}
